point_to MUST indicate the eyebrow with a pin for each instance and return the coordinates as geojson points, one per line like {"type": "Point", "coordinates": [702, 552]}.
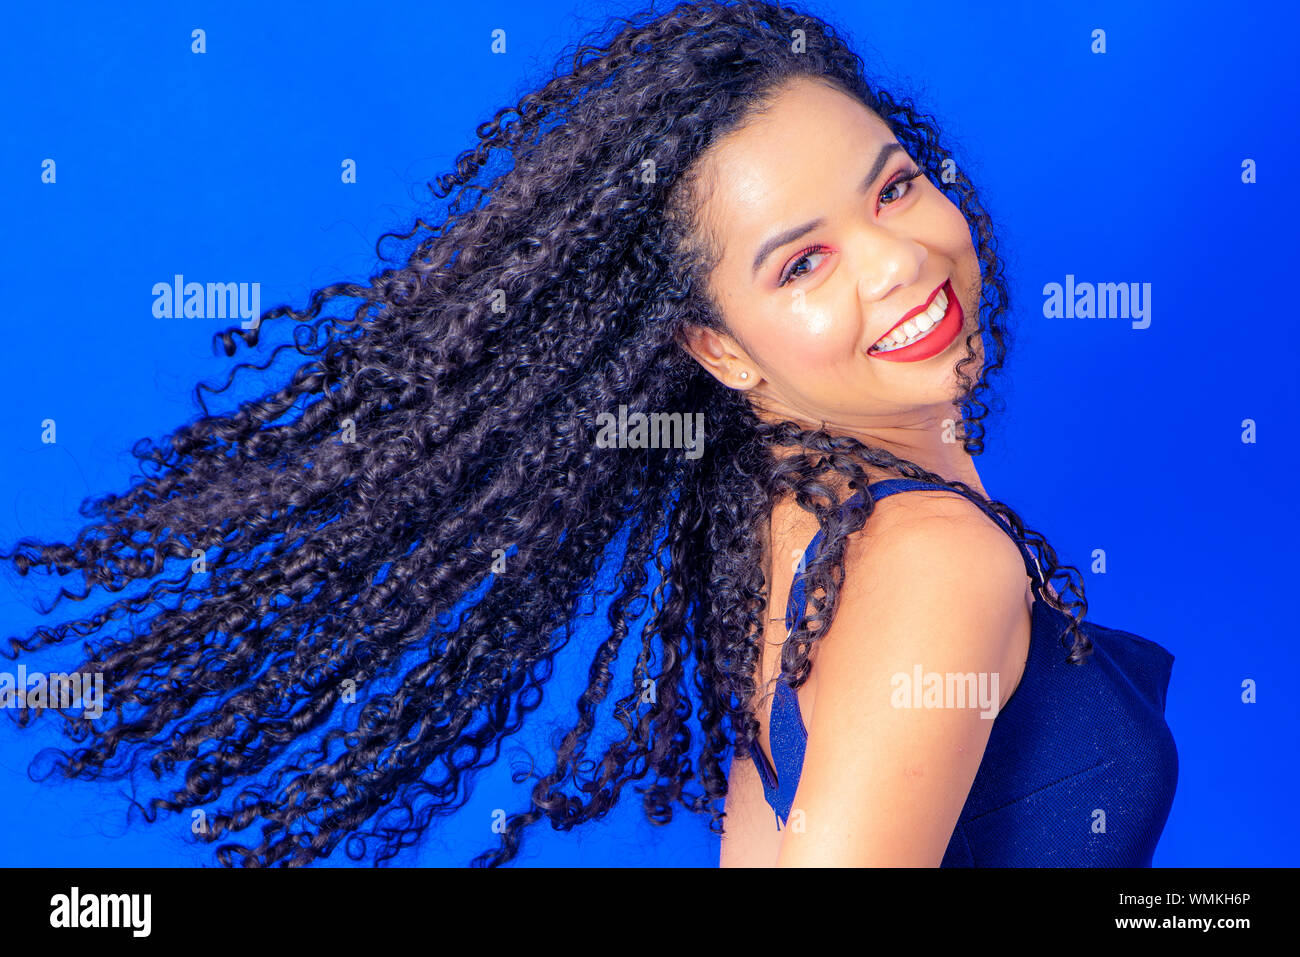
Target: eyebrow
{"type": "Point", "coordinates": [774, 243]}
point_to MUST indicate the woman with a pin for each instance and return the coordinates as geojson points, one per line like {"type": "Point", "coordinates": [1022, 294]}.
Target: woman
{"type": "Point", "coordinates": [715, 217]}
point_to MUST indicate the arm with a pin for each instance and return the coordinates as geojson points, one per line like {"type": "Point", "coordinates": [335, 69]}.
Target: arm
{"type": "Point", "coordinates": [750, 836]}
{"type": "Point", "coordinates": [934, 583]}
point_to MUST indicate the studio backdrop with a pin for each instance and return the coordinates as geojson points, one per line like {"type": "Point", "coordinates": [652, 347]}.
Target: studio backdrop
{"type": "Point", "coordinates": [1138, 161]}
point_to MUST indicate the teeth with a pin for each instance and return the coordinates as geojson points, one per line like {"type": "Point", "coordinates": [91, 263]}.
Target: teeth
{"type": "Point", "coordinates": [916, 327]}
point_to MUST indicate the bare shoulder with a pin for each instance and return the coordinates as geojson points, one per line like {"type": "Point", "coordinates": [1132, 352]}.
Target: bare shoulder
{"type": "Point", "coordinates": [929, 557]}
{"type": "Point", "coordinates": [930, 512]}
{"type": "Point", "coordinates": [930, 582]}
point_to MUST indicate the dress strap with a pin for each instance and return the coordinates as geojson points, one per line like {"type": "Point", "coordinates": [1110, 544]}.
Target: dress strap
{"type": "Point", "coordinates": [1032, 566]}
{"type": "Point", "coordinates": [798, 598]}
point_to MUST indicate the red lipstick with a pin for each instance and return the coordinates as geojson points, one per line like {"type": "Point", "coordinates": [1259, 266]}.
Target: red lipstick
{"type": "Point", "coordinates": [936, 340]}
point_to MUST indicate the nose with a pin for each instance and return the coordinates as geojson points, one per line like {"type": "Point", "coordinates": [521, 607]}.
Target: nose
{"type": "Point", "coordinates": [886, 262]}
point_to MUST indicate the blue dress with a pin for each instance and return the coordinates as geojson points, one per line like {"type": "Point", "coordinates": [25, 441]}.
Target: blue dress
{"type": "Point", "coordinates": [1080, 767]}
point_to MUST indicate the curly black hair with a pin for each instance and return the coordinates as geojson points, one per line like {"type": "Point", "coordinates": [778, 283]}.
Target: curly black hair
{"type": "Point", "coordinates": [451, 421]}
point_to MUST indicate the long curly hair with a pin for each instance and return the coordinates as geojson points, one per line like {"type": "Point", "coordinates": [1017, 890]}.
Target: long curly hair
{"type": "Point", "coordinates": [441, 443]}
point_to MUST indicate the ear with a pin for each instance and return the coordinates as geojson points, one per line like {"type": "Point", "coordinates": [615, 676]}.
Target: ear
{"type": "Point", "coordinates": [721, 356]}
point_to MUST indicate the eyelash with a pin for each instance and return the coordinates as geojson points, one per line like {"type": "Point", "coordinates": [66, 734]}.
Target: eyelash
{"type": "Point", "coordinates": [904, 177]}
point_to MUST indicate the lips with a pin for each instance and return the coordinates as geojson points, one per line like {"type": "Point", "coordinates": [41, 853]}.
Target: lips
{"type": "Point", "coordinates": [928, 343]}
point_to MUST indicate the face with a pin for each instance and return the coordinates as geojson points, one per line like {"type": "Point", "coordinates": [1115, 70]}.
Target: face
{"type": "Point", "coordinates": [827, 245]}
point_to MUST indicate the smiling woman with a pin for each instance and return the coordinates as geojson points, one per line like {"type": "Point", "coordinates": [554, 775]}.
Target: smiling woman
{"type": "Point", "coordinates": [857, 333]}
{"type": "Point", "coordinates": [823, 316]}
{"type": "Point", "coordinates": [826, 327]}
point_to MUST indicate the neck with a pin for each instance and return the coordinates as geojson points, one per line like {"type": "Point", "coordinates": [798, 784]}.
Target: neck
{"type": "Point", "coordinates": [930, 439]}
{"type": "Point", "coordinates": [927, 448]}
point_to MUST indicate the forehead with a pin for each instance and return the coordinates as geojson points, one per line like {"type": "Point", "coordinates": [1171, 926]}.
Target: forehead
{"type": "Point", "coordinates": [811, 141]}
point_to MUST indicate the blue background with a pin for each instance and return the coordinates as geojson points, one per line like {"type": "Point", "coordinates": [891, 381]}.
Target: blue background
{"type": "Point", "coordinates": [1122, 167]}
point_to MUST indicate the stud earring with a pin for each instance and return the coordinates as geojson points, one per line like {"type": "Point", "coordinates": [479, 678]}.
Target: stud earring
{"type": "Point", "coordinates": [744, 375]}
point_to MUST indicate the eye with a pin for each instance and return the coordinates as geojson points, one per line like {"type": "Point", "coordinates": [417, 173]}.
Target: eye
{"type": "Point", "coordinates": [801, 256]}
{"type": "Point", "coordinates": [900, 180]}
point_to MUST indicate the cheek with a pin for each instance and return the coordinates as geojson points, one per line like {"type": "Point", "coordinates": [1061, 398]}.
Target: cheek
{"type": "Point", "coordinates": [809, 339]}
{"type": "Point", "coordinates": [952, 238]}
{"type": "Point", "coordinates": [951, 225]}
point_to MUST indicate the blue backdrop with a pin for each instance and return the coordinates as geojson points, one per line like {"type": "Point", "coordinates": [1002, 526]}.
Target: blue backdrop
{"type": "Point", "coordinates": [1125, 166]}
